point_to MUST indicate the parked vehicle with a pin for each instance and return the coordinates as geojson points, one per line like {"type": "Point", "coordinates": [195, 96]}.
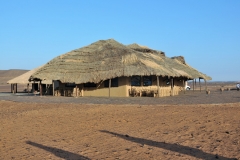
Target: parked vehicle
{"type": "Point", "coordinates": [187, 88]}
{"type": "Point", "coordinates": [238, 86]}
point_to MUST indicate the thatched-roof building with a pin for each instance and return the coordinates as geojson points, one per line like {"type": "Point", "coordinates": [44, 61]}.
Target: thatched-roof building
{"type": "Point", "coordinates": [128, 70]}
{"type": "Point", "coordinates": [24, 79]}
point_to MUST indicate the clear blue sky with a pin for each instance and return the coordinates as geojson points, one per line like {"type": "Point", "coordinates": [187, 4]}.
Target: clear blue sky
{"type": "Point", "coordinates": [205, 32]}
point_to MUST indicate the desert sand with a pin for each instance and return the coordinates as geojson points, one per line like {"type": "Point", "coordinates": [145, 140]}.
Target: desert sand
{"type": "Point", "coordinates": [99, 131]}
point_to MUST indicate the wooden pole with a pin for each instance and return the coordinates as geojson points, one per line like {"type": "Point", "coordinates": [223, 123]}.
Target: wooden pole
{"type": "Point", "coordinates": [200, 85]}
{"type": "Point", "coordinates": [82, 89]}
{"type": "Point", "coordinates": [184, 89]}
{"type": "Point", "coordinates": [193, 85]}
{"type": "Point", "coordinates": [33, 86]}
{"type": "Point", "coordinates": [53, 87]}
{"type": "Point", "coordinates": [171, 86]}
{"type": "Point", "coordinates": [13, 88]}
{"type": "Point", "coordinates": [28, 88]}
{"type": "Point", "coordinates": [158, 90]}
{"type": "Point", "coordinates": [109, 87]}
{"type": "Point", "coordinates": [16, 88]}
{"type": "Point", "coordinates": [40, 87]}
{"type": "Point", "coordinates": [76, 91]}
{"type": "Point", "coordinates": [206, 86]}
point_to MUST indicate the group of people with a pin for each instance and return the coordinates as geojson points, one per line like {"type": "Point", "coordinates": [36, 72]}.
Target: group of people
{"type": "Point", "coordinates": [238, 86]}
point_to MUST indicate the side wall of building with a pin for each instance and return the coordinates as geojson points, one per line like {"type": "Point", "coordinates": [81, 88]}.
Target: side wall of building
{"type": "Point", "coordinates": [124, 88]}
{"type": "Point", "coordinates": [101, 91]}
{"type": "Point", "coordinates": [164, 87]}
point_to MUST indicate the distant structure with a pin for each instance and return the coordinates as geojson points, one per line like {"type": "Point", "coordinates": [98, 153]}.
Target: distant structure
{"type": "Point", "coordinates": [23, 79]}
{"type": "Point", "coordinates": [110, 69]}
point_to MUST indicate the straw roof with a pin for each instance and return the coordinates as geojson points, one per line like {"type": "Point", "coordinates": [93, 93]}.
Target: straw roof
{"type": "Point", "coordinates": [177, 63]}
{"type": "Point", "coordinates": [144, 49]}
{"type": "Point", "coordinates": [23, 79]}
{"type": "Point", "coordinates": [106, 59]}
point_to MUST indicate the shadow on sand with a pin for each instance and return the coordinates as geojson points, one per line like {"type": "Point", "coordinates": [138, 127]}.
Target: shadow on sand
{"type": "Point", "coordinates": [171, 147]}
{"type": "Point", "coordinates": [59, 152]}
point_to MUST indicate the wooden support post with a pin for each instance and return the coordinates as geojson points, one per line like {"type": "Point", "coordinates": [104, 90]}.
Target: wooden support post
{"type": "Point", "coordinates": [193, 85]}
{"type": "Point", "coordinates": [28, 88]}
{"type": "Point", "coordinates": [76, 91]}
{"type": "Point", "coordinates": [40, 87]}
{"type": "Point", "coordinates": [158, 90]}
{"type": "Point", "coordinates": [33, 86]}
{"type": "Point", "coordinates": [13, 89]}
{"type": "Point", "coordinates": [171, 86]}
{"type": "Point", "coordinates": [16, 88]}
{"type": "Point", "coordinates": [53, 87]}
{"type": "Point", "coordinates": [82, 89]}
{"type": "Point", "coordinates": [184, 89]}
{"type": "Point", "coordinates": [109, 87]}
{"type": "Point", "coordinates": [200, 85]}
{"type": "Point", "coordinates": [205, 84]}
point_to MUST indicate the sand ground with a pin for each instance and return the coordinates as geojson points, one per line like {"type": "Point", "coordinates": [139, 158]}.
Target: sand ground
{"type": "Point", "coordinates": [94, 131]}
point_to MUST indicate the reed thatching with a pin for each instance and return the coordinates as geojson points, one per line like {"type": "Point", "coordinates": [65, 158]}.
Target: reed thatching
{"type": "Point", "coordinates": [23, 79]}
{"type": "Point", "coordinates": [144, 49]}
{"type": "Point", "coordinates": [106, 59]}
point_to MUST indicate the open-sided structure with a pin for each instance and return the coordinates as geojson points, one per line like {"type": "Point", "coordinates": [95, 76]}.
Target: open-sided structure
{"type": "Point", "coordinates": [24, 79]}
{"type": "Point", "coordinates": [109, 68]}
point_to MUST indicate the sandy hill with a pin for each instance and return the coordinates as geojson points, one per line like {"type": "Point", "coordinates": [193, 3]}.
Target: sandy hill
{"type": "Point", "coordinates": [6, 75]}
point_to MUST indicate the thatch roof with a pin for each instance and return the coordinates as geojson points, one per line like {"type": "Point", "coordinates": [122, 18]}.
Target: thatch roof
{"type": "Point", "coordinates": [23, 79]}
{"type": "Point", "coordinates": [144, 49]}
{"type": "Point", "coordinates": [187, 68]}
{"type": "Point", "coordinates": [107, 59]}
